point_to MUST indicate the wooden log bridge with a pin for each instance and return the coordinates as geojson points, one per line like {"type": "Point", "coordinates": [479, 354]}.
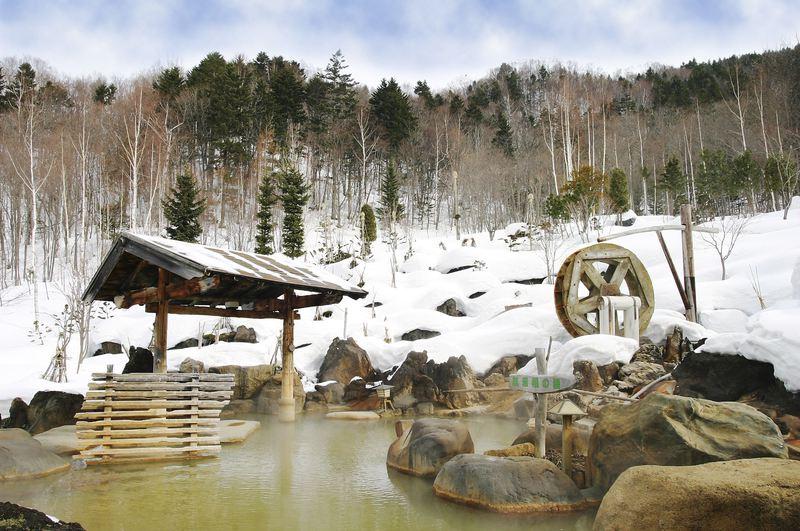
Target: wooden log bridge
{"type": "Point", "coordinates": [150, 417]}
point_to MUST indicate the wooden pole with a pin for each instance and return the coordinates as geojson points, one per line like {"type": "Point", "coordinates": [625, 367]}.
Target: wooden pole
{"type": "Point", "coordinates": [160, 354]}
{"type": "Point", "coordinates": [286, 402]}
{"type": "Point", "coordinates": [688, 262]}
{"type": "Point", "coordinates": [673, 270]}
{"type": "Point", "coordinates": [541, 406]}
{"type": "Point", "coordinates": [566, 444]}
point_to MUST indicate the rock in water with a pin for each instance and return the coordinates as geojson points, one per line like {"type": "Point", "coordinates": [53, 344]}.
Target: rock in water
{"type": "Point", "coordinates": [237, 409]}
{"type": "Point", "coordinates": [742, 494]}
{"type": "Point", "coordinates": [515, 450]}
{"type": "Point", "coordinates": [454, 374]}
{"type": "Point", "coordinates": [247, 380]}
{"type": "Point", "coordinates": [673, 430]}
{"type": "Point", "coordinates": [508, 484]}
{"type": "Point", "coordinates": [426, 445]}
{"type": "Point", "coordinates": [139, 360]}
{"type": "Point", "coordinates": [270, 394]}
{"type": "Point", "coordinates": [22, 456]}
{"type": "Point", "coordinates": [412, 384]}
{"type": "Point", "coordinates": [14, 516]}
{"type": "Point", "coordinates": [51, 409]}
{"type": "Point", "coordinates": [344, 361]}
{"type": "Point", "coordinates": [332, 393]}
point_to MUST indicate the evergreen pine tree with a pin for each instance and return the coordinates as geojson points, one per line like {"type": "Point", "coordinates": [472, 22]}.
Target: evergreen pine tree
{"type": "Point", "coordinates": [294, 196]}
{"type": "Point", "coordinates": [503, 139]}
{"type": "Point", "coordinates": [342, 96]}
{"type": "Point", "coordinates": [105, 94]}
{"type": "Point", "coordinates": [183, 210]}
{"type": "Point", "coordinates": [265, 237]}
{"type": "Point", "coordinates": [169, 84]}
{"type": "Point", "coordinates": [618, 191]}
{"type": "Point", "coordinates": [392, 111]}
{"type": "Point", "coordinates": [391, 210]}
{"type": "Point", "coordinates": [673, 181]}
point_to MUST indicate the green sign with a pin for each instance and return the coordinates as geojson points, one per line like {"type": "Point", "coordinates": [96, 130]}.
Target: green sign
{"type": "Point", "coordinates": [537, 383]}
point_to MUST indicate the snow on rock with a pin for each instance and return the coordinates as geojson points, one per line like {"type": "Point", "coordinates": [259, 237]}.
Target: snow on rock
{"type": "Point", "coordinates": [602, 349]}
{"type": "Point", "coordinates": [664, 322]}
{"type": "Point", "coordinates": [773, 336]}
{"type": "Point", "coordinates": [730, 320]}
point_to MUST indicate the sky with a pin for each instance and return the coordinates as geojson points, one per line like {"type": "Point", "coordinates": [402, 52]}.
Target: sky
{"type": "Point", "coordinates": [445, 42]}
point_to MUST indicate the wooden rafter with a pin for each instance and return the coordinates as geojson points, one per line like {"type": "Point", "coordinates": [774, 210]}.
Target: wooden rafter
{"type": "Point", "coordinates": [217, 312]}
{"type": "Point", "coordinates": [186, 289]}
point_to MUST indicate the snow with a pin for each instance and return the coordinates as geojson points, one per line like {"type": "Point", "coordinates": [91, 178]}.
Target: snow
{"type": "Point", "coordinates": [602, 349]}
{"type": "Point", "coordinates": [509, 318]}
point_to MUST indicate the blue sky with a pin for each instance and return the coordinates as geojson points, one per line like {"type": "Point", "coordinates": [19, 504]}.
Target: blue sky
{"type": "Point", "coordinates": [442, 41]}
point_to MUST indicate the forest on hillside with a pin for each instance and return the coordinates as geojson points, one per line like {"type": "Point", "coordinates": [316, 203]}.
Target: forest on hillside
{"type": "Point", "coordinates": [81, 159]}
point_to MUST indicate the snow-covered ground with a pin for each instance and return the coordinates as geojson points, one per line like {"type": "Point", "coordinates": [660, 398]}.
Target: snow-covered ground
{"type": "Point", "coordinates": [730, 312]}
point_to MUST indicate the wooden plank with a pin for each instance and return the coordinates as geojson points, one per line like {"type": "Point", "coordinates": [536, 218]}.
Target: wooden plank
{"type": "Point", "coordinates": [176, 290]}
{"type": "Point", "coordinates": [145, 413]}
{"type": "Point", "coordinates": [169, 377]}
{"type": "Point", "coordinates": [651, 229]}
{"type": "Point", "coordinates": [90, 405]}
{"type": "Point", "coordinates": [217, 312]}
{"type": "Point", "coordinates": [149, 442]}
{"type": "Point", "coordinates": [161, 386]}
{"type": "Point", "coordinates": [133, 452]}
{"type": "Point", "coordinates": [144, 423]}
{"type": "Point", "coordinates": [146, 432]}
{"type": "Point", "coordinates": [203, 395]}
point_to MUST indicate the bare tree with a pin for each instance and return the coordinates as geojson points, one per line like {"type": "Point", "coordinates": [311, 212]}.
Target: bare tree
{"type": "Point", "coordinates": [723, 242]}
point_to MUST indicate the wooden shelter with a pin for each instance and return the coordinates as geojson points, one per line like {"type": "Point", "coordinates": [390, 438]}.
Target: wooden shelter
{"type": "Point", "coordinates": [168, 276]}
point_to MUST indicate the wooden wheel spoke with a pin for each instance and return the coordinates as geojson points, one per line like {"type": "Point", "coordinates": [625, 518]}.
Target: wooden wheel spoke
{"type": "Point", "coordinates": [618, 274]}
{"type": "Point", "coordinates": [592, 275]}
{"type": "Point", "coordinates": [589, 304]}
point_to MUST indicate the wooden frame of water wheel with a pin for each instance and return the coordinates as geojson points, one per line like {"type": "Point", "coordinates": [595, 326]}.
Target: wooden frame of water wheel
{"type": "Point", "coordinates": [625, 275]}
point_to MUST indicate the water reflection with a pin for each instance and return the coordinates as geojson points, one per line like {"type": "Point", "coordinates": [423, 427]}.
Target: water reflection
{"type": "Point", "coordinates": [311, 474]}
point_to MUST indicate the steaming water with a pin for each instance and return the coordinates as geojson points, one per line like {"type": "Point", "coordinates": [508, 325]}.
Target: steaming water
{"type": "Point", "coordinates": [314, 474]}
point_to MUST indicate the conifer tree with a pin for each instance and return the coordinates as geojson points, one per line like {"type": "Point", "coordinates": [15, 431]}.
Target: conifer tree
{"type": "Point", "coordinates": [294, 196]}
{"type": "Point", "coordinates": [265, 237]}
{"type": "Point", "coordinates": [673, 181]}
{"type": "Point", "coordinates": [183, 210]}
{"type": "Point", "coordinates": [391, 210]}
{"type": "Point", "coordinates": [503, 139]}
{"type": "Point", "coordinates": [392, 111]}
{"type": "Point", "coordinates": [369, 230]}
{"type": "Point", "coordinates": [618, 191]}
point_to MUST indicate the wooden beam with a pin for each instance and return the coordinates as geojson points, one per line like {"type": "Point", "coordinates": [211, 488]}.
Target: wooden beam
{"type": "Point", "coordinates": [656, 228]}
{"type": "Point", "coordinates": [218, 312]}
{"type": "Point", "coordinates": [179, 290]}
{"type": "Point", "coordinates": [160, 354]}
{"type": "Point", "coordinates": [688, 262]}
{"type": "Point", "coordinates": [286, 402]}
{"type": "Point", "coordinates": [674, 271]}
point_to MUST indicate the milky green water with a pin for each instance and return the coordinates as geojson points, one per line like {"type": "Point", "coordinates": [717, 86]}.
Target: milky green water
{"type": "Point", "coordinates": [314, 474]}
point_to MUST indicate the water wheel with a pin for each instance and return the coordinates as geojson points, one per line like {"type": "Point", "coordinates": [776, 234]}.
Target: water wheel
{"type": "Point", "coordinates": [595, 271]}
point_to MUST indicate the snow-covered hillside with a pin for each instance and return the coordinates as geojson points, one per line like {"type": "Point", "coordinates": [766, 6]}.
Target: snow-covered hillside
{"type": "Point", "coordinates": [729, 310]}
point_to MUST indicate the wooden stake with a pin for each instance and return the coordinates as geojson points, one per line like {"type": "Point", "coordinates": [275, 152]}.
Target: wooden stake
{"type": "Point", "coordinates": [286, 402]}
{"type": "Point", "coordinates": [160, 350]}
{"type": "Point", "coordinates": [688, 262]}
{"type": "Point", "coordinates": [674, 271]}
{"type": "Point", "coordinates": [541, 406]}
{"type": "Point", "coordinates": [566, 444]}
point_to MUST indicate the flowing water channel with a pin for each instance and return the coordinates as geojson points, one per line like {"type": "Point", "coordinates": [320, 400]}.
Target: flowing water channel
{"type": "Point", "coordinates": [314, 474]}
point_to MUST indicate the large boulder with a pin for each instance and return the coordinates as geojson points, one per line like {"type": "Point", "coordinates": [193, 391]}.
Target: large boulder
{"type": "Point", "coordinates": [267, 400]}
{"type": "Point", "coordinates": [638, 374]}
{"type": "Point", "coordinates": [674, 430]}
{"type": "Point", "coordinates": [450, 307]}
{"type": "Point", "coordinates": [243, 334]}
{"type": "Point", "coordinates": [720, 377]}
{"type": "Point", "coordinates": [238, 409]}
{"type": "Point", "coordinates": [508, 484]}
{"type": "Point", "coordinates": [419, 333]}
{"type": "Point", "coordinates": [50, 409]}
{"type": "Point", "coordinates": [14, 516]}
{"type": "Point", "coordinates": [587, 376]}
{"type": "Point", "coordinates": [412, 384]}
{"type": "Point", "coordinates": [62, 440]}
{"type": "Point", "coordinates": [344, 361]}
{"type": "Point", "coordinates": [743, 494]}
{"type": "Point", "coordinates": [190, 365]}
{"type": "Point", "coordinates": [22, 456]}
{"type": "Point", "coordinates": [424, 446]}
{"type": "Point", "coordinates": [332, 393]}
{"type": "Point", "coordinates": [455, 374]}
{"type": "Point", "coordinates": [508, 365]}
{"type": "Point", "coordinates": [139, 360]}
{"type": "Point", "coordinates": [247, 380]}
{"type": "Point", "coordinates": [17, 415]}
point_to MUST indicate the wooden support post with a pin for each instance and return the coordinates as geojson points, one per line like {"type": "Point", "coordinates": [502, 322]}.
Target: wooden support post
{"type": "Point", "coordinates": [286, 402]}
{"type": "Point", "coordinates": [160, 350]}
{"type": "Point", "coordinates": [541, 406]}
{"type": "Point", "coordinates": [688, 263]}
{"type": "Point", "coordinates": [566, 444]}
{"type": "Point", "coordinates": [674, 271]}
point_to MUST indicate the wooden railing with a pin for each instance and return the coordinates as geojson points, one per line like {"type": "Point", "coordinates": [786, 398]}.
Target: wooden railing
{"type": "Point", "coordinates": [149, 417]}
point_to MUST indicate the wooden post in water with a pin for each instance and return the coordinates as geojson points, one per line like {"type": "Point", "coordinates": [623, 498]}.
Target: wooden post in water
{"type": "Point", "coordinates": [541, 406]}
{"type": "Point", "coordinates": [286, 402]}
{"type": "Point", "coordinates": [688, 262]}
{"type": "Point", "coordinates": [566, 444]}
{"type": "Point", "coordinates": [160, 354]}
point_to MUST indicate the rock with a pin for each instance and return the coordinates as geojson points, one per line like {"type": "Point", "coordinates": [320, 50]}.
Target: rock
{"type": "Point", "coordinates": [673, 430]}
{"type": "Point", "coordinates": [356, 390]}
{"type": "Point", "coordinates": [587, 376]}
{"type": "Point", "coordinates": [235, 431]}
{"type": "Point", "coordinates": [353, 415]}
{"type": "Point", "coordinates": [332, 393]}
{"type": "Point", "coordinates": [453, 374]}
{"type": "Point", "coordinates": [525, 407]}
{"type": "Point", "coordinates": [609, 372]}
{"type": "Point", "coordinates": [650, 353]}
{"type": "Point", "coordinates": [244, 334]}
{"type": "Point", "coordinates": [419, 333]}
{"type": "Point", "coordinates": [51, 409]}
{"type": "Point", "coordinates": [247, 380]}
{"type": "Point", "coordinates": [186, 343]}
{"type": "Point", "coordinates": [62, 440]}
{"type": "Point", "coordinates": [581, 434]}
{"type": "Point", "coordinates": [424, 408]}
{"type": "Point", "coordinates": [314, 406]}
{"type": "Point", "coordinates": [23, 457]}
{"type": "Point", "coordinates": [14, 516]}
{"type": "Point", "coordinates": [139, 360]}
{"type": "Point", "coordinates": [721, 377]}
{"type": "Point", "coordinates": [237, 408]}
{"type": "Point", "coordinates": [515, 450]}
{"type": "Point", "coordinates": [742, 494]}
{"type": "Point", "coordinates": [412, 384]}
{"type": "Point", "coordinates": [192, 365]}
{"type": "Point", "coordinates": [637, 374]}
{"type": "Point", "coordinates": [508, 484]}
{"type": "Point", "coordinates": [344, 361]}
{"type": "Point", "coordinates": [508, 365]}
{"type": "Point", "coordinates": [17, 414]}
{"type": "Point", "coordinates": [495, 380]}
{"type": "Point", "coordinates": [270, 393]}
{"type": "Point", "coordinates": [673, 350]}
{"type": "Point", "coordinates": [110, 347]}
{"type": "Point", "coordinates": [427, 444]}
{"type": "Point", "coordinates": [450, 307]}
